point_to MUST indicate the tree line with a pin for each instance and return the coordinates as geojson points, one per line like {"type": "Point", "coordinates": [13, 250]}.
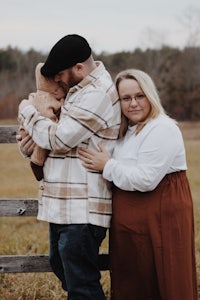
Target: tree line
{"type": "Point", "coordinates": [176, 74]}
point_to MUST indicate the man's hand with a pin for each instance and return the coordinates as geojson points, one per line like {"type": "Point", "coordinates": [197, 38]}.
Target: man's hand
{"type": "Point", "coordinates": [26, 144]}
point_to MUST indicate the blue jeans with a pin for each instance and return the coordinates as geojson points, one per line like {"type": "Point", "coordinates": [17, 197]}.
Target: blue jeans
{"type": "Point", "coordinates": [73, 257]}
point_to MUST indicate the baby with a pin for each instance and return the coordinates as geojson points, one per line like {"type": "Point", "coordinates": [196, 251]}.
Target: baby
{"type": "Point", "coordinates": [48, 101]}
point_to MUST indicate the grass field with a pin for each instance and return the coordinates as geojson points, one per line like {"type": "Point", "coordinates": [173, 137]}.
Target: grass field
{"type": "Point", "coordinates": [28, 236]}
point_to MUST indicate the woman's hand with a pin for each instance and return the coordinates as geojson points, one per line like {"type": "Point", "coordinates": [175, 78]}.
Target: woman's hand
{"type": "Point", "coordinates": [94, 160]}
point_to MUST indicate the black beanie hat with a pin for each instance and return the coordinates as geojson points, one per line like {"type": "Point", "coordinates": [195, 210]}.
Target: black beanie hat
{"type": "Point", "coordinates": [67, 52]}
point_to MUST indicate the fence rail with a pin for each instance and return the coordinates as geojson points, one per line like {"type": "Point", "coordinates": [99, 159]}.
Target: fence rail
{"type": "Point", "coordinates": [8, 133]}
{"type": "Point", "coordinates": [25, 207]}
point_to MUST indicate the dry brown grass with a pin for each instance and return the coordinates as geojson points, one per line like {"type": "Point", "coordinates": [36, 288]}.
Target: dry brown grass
{"type": "Point", "coordinates": [28, 236]}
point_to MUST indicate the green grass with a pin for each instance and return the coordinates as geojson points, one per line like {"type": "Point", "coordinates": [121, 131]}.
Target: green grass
{"type": "Point", "coordinates": [28, 236]}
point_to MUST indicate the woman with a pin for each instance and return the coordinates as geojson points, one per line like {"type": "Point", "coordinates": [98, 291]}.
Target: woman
{"type": "Point", "coordinates": [152, 230]}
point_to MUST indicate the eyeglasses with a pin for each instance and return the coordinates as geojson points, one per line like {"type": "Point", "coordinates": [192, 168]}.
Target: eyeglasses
{"type": "Point", "coordinates": [137, 98]}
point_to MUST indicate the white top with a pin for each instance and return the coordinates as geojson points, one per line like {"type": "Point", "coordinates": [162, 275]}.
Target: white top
{"type": "Point", "coordinates": [141, 161]}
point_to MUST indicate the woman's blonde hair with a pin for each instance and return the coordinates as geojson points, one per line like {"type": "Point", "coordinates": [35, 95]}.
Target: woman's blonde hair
{"type": "Point", "coordinates": [149, 89]}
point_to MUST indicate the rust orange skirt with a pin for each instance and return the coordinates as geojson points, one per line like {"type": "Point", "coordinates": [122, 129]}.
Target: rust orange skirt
{"type": "Point", "coordinates": [152, 254]}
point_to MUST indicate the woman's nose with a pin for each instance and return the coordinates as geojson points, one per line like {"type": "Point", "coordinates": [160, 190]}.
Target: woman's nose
{"type": "Point", "coordinates": [133, 102]}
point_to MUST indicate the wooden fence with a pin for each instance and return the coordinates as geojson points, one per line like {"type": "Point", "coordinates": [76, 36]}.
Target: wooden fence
{"type": "Point", "coordinates": [15, 207]}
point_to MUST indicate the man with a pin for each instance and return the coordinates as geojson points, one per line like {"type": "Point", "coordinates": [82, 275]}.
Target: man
{"type": "Point", "coordinates": [75, 201]}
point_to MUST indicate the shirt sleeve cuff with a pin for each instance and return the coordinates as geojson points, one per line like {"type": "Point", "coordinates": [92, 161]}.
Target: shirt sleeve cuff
{"type": "Point", "coordinates": [27, 117]}
{"type": "Point", "coordinates": [28, 110]}
{"type": "Point", "coordinates": [108, 169]}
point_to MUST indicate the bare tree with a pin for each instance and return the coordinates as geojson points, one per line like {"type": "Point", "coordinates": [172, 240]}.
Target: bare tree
{"type": "Point", "coordinates": [153, 38]}
{"type": "Point", "coordinates": [190, 22]}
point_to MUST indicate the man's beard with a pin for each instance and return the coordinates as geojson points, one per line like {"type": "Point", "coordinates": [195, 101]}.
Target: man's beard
{"type": "Point", "coordinates": [72, 81]}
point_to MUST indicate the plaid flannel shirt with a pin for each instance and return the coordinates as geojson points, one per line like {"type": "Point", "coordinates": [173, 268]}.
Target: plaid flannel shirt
{"type": "Point", "coordinates": [69, 193]}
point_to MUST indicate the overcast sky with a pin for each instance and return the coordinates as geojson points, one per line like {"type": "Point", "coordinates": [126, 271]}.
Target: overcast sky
{"type": "Point", "coordinates": [108, 25]}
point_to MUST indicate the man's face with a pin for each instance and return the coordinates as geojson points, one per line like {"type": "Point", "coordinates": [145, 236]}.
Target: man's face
{"type": "Point", "coordinates": [67, 79]}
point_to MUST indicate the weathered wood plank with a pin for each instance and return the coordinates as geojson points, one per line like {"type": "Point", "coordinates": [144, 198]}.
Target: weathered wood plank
{"type": "Point", "coordinates": [13, 207]}
{"type": "Point", "coordinates": [35, 263]}
{"type": "Point", "coordinates": [24, 263]}
{"type": "Point", "coordinates": [32, 263]}
{"type": "Point", "coordinates": [8, 133]}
